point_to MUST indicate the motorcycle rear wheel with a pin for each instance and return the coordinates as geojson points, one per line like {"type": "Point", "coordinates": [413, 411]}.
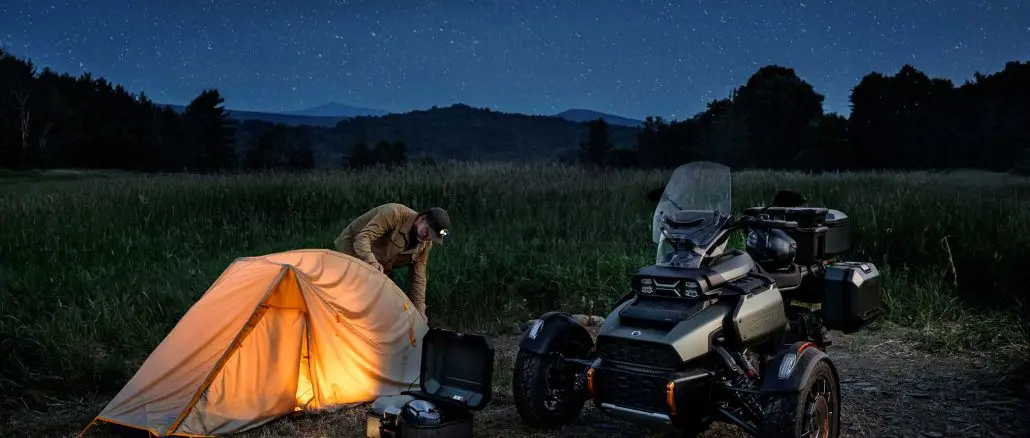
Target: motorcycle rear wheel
{"type": "Point", "coordinates": [812, 412]}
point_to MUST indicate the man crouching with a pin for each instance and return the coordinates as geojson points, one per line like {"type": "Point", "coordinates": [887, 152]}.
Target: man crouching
{"type": "Point", "coordinates": [391, 236]}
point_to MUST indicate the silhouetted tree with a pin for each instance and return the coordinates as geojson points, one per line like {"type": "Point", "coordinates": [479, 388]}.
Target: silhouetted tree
{"type": "Point", "coordinates": [263, 153]}
{"type": "Point", "coordinates": [281, 148]}
{"type": "Point", "coordinates": [597, 144]}
{"type": "Point", "coordinates": [302, 153]}
{"type": "Point", "coordinates": [831, 149]}
{"type": "Point", "coordinates": [722, 134]}
{"type": "Point", "coordinates": [360, 156]}
{"type": "Point", "coordinates": [211, 131]}
{"type": "Point", "coordinates": [17, 147]}
{"type": "Point", "coordinates": [390, 153]}
{"type": "Point", "coordinates": [780, 111]}
{"type": "Point", "coordinates": [662, 144]}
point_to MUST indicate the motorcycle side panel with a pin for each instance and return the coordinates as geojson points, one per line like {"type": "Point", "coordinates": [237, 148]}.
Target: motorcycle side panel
{"type": "Point", "coordinates": [693, 338]}
{"type": "Point", "coordinates": [758, 315]}
{"type": "Point", "coordinates": [689, 339]}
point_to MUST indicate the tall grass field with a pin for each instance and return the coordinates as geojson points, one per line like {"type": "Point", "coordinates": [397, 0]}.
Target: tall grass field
{"type": "Point", "coordinates": [96, 269]}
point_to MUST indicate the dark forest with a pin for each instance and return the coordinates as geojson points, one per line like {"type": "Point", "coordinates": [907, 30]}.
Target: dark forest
{"type": "Point", "coordinates": [904, 121]}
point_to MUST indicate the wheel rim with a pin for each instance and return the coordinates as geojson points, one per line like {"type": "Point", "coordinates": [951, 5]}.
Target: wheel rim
{"type": "Point", "coordinates": [554, 382]}
{"type": "Point", "coordinates": [819, 409]}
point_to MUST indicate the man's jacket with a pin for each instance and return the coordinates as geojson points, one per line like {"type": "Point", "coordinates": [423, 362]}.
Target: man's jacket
{"type": "Point", "coordinates": [386, 234]}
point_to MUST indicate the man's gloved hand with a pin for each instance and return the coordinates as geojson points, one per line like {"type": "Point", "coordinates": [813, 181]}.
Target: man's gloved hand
{"type": "Point", "coordinates": [375, 264]}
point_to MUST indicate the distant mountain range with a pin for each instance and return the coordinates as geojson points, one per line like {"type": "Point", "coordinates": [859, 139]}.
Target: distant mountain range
{"type": "Point", "coordinates": [458, 131]}
{"type": "Point", "coordinates": [585, 115]}
{"type": "Point", "coordinates": [334, 109]}
{"type": "Point", "coordinates": [329, 114]}
{"type": "Point", "coordinates": [283, 118]}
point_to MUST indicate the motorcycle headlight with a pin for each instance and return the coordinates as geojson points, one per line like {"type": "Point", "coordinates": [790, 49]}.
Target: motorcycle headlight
{"type": "Point", "coordinates": [691, 289]}
{"type": "Point", "coordinates": [646, 286]}
{"type": "Point", "coordinates": [669, 287]}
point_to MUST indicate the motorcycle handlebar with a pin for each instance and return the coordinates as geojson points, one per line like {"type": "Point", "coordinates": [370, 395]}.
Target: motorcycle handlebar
{"type": "Point", "coordinates": [767, 223]}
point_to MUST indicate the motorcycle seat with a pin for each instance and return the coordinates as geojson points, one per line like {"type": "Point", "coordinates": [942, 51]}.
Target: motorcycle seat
{"type": "Point", "coordinates": [786, 279]}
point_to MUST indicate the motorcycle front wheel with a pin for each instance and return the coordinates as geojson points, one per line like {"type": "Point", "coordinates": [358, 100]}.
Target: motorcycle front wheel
{"type": "Point", "coordinates": [544, 386]}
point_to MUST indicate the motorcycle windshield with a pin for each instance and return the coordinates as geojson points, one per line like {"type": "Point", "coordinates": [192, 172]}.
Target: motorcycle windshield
{"type": "Point", "coordinates": [697, 197]}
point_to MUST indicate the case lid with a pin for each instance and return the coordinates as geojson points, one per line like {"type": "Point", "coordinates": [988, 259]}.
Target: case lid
{"type": "Point", "coordinates": [458, 366]}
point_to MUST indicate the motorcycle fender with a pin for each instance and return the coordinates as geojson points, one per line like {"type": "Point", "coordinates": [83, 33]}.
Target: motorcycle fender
{"type": "Point", "coordinates": [550, 327]}
{"type": "Point", "coordinates": [790, 368]}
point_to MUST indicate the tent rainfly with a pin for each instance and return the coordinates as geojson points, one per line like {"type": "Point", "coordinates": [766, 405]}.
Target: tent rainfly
{"type": "Point", "coordinates": [302, 330]}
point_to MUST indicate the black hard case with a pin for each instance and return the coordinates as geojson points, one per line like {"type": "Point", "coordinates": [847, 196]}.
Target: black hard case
{"type": "Point", "coordinates": [852, 297]}
{"type": "Point", "coordinates": [456, 375]}
{"type": "Point", "coordinates": [821, 233]}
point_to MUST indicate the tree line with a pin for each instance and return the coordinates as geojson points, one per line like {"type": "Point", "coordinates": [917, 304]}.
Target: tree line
{"type": "Point", "coordinates": [775, 120]}
{"type": "Point", "coordinates": [51, 120]}
{"type": "Point", "coordinates": [906, 121]}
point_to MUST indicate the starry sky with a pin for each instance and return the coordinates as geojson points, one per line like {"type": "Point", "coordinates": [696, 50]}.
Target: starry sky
{"type": "Point", "coordinates": [631, 58]}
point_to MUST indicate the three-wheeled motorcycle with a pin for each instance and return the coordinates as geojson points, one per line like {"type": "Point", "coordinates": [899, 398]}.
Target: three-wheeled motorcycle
{"type": "Point", "coordinates": [708, 333]}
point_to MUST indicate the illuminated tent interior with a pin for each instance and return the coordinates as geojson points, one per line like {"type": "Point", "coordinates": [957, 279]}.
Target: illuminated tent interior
{"type": "Point", "coordinates": [295, 331]}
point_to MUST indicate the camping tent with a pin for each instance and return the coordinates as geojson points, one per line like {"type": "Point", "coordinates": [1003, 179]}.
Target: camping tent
{"type": "Point", "coordinates": [295, 331]}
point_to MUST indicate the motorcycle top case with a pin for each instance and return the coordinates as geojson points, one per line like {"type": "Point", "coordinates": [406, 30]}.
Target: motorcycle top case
{"type": "Point", "coordinates": [821, 233]}
{"type": "Point", "coordinates": [457, 376]}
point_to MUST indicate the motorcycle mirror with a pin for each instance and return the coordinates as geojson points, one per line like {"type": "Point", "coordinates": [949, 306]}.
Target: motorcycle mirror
{"type": "Point", "coordinates": [787, 198]}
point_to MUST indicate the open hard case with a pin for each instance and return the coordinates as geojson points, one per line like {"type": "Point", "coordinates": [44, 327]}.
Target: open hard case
{"type": "Point", "coordinates": [456, 375]}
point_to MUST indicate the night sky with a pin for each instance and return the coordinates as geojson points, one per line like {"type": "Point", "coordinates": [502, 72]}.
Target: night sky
{"type": "Point", "coordinates": [631, 58]}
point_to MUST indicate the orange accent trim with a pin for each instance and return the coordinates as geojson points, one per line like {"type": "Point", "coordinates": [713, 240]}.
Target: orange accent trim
{"type": "Point", "coordinates": [590, 381]}
{"type": "Point", "coordinates": [670, 397]}
{"type": "Point", "coordinates": [88, 426]}
{"type": "Point", "coordinates": [804, 347]}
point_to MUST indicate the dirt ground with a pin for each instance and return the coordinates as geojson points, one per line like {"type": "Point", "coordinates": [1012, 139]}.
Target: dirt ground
{"type": "Point", "coordinates": [889, 389]}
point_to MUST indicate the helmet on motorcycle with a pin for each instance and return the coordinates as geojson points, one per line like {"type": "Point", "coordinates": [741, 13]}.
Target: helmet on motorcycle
{"type": "Point", "coordinates": [771, 248]}
{"type": "Point", "coordinates": [420, 412]}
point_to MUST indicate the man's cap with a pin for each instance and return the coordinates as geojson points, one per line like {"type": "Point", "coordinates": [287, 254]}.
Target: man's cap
{"type": "Point", "coordinates": [439, 224]}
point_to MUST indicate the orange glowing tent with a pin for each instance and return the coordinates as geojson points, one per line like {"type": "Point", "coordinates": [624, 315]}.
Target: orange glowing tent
{"type": "Point", "coordinates": [301, 330]}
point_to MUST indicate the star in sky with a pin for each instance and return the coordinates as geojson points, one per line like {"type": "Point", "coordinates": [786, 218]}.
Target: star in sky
{"type": "Point", "coordinates": [632, 58]}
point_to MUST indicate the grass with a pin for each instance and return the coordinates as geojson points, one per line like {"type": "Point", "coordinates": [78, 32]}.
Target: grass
{"type": "Point", "coordinates": [94, 271]}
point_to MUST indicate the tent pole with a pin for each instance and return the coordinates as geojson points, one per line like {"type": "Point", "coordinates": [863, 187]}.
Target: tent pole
{"type": "Point", "coordinates": [259, 311]}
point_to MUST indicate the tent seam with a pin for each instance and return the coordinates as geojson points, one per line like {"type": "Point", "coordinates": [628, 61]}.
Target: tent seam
{"type": "Point", "coordinates": [233, 346]}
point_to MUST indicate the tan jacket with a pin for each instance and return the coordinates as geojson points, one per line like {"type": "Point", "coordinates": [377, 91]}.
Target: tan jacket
{"type": "Point", "coordinates": [382, 235]}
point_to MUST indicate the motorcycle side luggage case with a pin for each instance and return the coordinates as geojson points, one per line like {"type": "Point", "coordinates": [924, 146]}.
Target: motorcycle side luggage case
{"type": "Point", "coordinates": [852, 297]}
{"type": "Point", "coordinates": [457, 376]}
